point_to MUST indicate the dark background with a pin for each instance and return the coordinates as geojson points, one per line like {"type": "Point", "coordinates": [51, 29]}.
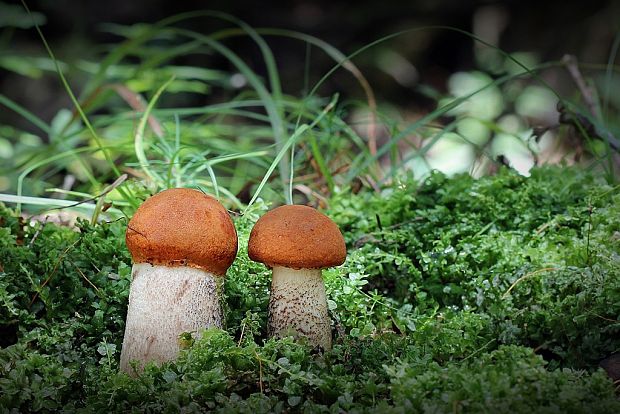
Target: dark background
{"type": "Point", "coordinates": [551, 29]}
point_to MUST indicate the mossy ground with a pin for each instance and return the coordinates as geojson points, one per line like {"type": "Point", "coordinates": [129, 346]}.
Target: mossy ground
{"type": "Point", "coordinates": [458, 295]}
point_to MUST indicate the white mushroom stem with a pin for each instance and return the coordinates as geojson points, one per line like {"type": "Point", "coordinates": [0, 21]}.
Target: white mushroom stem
{"type": "Point", "coordinates": [298, 306]}
{"type": "Point", "coordinates": [164, 302]}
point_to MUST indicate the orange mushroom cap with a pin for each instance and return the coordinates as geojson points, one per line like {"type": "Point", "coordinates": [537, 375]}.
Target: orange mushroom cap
{"type": "Point", "coordinates": [298, 237]}
{"type": "Point", "coordinates": [183, 227]}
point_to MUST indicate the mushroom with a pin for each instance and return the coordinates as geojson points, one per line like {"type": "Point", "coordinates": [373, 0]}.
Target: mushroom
{"type": "Point", "coordinates": [297, 242]}
{"type": "Point", "coordinates": [182, 241]}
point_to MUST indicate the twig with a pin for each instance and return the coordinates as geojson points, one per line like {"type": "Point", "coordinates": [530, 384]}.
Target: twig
{"type": "Point", "coordinates": [539, 347]}
{"type": "Point", "coordinates": [478, 350]}
{"type": "Point", "coordinates": [260, 372]}
{"type": "Point", "coordinates": [85, 278]}
{"type": "Point", "coordinates": [241, 336]}
{"type": "Point", "coordinates": [62, 255]}
{"type": "Point", "coordinates": [106, 190]}
{"type": "Point", "coordinates": [136, 231]}
{"type": "Point", "coordinates": [101, 198]}
{"type": "Point", "coordinates": [137, 103]}
{"type": "Point", "coordinates": [372, 183]}
{"type": "Point", "coordinates": [573, 69]}
{"type": "Point", "coordinates": [543, 227]}
{"type": "Point", "coordinates": [604, 318]}
{"type": "Point", "coordinates": [546, 269]}
{"type": "Point", "coordinates": [36, 234]}
{"type": "Point", "coordinates": [308, 192]}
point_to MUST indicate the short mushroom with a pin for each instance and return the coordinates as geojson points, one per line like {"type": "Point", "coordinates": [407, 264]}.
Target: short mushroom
{"type": "Point", "coordinates": [182, 241]}
{"type": "Point", "coordinates": [297, 242]}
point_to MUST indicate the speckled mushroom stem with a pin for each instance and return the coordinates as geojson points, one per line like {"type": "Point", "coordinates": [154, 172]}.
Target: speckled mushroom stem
{"type": "Point", "coordinates": [164, 302]}
{"type": "Point", "coordinates": [298, 306]}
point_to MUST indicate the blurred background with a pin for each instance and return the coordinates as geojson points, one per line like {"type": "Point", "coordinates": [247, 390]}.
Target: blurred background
{"type": "Point", "coordinates": [563, 111]}
{"type": "Point", "coordinates": [545, 29]}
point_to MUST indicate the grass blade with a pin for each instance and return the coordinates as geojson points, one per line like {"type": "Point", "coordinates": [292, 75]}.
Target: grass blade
{"type": "Point", "coordinates": [32, 118]}
{"type": "Point", "coordinates": [266, 98]}
{"type": "Point", "coordinates": [139, 139]}
{"type": "Point", "coordinates": [77, 106]}
{"type": "Point", "coordinates": [300, 131]}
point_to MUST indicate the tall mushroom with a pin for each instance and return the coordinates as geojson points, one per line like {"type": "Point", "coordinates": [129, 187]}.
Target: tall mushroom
{"type": "Point", "coordinates": [297, 242]}
{"type": "Point", "coordinates": [182, 242]}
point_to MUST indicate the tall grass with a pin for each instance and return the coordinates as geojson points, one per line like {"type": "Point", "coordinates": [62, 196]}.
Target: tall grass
{"type": "Point", "coordinates": [231, 148]}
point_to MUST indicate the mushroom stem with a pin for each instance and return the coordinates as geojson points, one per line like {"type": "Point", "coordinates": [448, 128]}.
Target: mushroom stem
{"type": "Point", "coordinates": [164, 302]}
{"type": "Point", "coordinates": [298, 306]}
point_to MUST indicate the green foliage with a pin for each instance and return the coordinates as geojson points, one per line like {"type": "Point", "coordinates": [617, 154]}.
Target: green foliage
{"type": "Point", "coordinates": [452, 293]}
{"type": "Point", "coordinates": [524, 251]}
{"type": "Point", "coordinates": [502, 381]}
{"type": "Point", "coordinates": [246, 287]}
{"type": "Point", "coordinates": [134, 109]}
{"type": "Point", "coordinates": [137, 100]}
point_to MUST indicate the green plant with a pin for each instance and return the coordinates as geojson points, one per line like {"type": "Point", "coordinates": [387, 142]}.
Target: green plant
{"type": "Point", "coordinates": [458, 294]}
{"type": "Point", "coordinates": [466, 329]}
{"type": "Point", "coordinates": [130, 114]}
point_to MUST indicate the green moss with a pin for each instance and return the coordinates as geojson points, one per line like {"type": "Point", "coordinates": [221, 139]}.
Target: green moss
{"type": "Point", "coordinates": [497, 295]}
